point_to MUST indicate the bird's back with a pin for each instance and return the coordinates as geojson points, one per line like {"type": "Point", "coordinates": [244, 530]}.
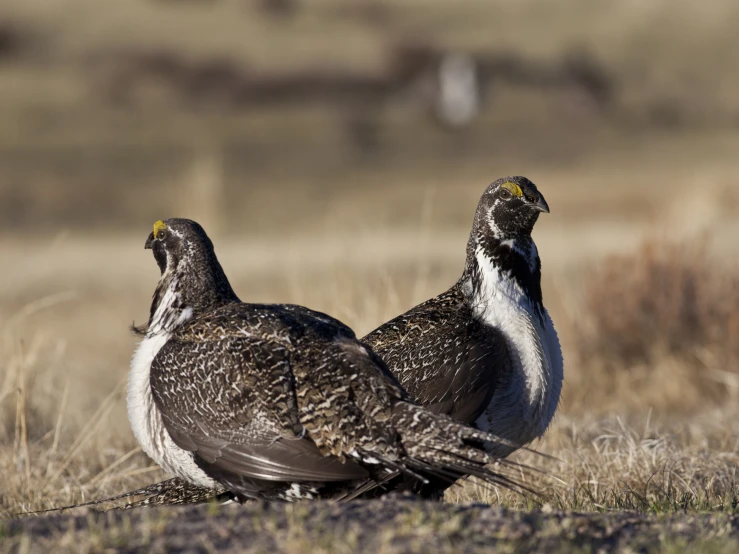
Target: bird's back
{"type": "Point", "coordinates": [443, 356]}
{"type": "Point", "coordinates": [245, 380]}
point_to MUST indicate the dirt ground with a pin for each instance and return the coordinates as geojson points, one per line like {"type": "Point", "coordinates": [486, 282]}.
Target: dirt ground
{"type": "Point", "coordinates": [386, 526]}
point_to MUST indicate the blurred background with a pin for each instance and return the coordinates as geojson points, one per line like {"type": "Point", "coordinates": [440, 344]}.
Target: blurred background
{"type": "Point", "coordinates": [335, 151]}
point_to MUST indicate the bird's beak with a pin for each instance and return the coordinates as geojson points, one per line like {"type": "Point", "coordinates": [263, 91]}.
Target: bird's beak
{"type": "Point", "coordinates": [149, 242]}
{"type": "Point", "coordinates": [541, 205]}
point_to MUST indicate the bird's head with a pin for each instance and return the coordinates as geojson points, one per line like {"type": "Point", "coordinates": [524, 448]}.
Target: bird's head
{"type": "Point", "coordinates": [509, 208]}
{"type": "Point", "coordinates": [178, 241]}
{"type": "Point", "coordinates": [190, 271]}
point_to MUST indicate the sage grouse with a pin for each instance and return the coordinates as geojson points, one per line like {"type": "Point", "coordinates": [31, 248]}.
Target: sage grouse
{"type": "Point", "coordinates": [276, 402]}
{"type": "Point", "coordinates": [485, 352]}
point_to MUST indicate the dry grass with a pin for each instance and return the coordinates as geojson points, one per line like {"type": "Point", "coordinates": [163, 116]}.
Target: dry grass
{"type": "Point", "coordinates": [610, 465]}
{"type": "Point", "coordinates": [663, 321]}
{"type": "Point", "coordinates": [667, 299]}
{"type": "Point", "coordinates": [49, 457]}
{"type": "Point", "coordinates": [64, 437]}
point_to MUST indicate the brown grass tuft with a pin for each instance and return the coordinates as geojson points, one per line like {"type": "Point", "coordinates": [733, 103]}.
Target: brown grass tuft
{"type": "Point", "coordinates": [612, 464]}
{"type": "Point", "coordinates": [666, 311]}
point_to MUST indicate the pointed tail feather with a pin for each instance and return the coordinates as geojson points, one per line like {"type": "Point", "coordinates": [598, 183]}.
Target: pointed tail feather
{"type": "Point", "coordinates": [437, 445]}
{"type": "Point", "coordinates": [169, 492]}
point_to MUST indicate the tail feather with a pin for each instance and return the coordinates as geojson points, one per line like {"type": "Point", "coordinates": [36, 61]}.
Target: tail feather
{"type": "Point", "coordinates": [452, 474]}
{"type": "Point", "coordinates": [439, 446]}
{"type": "Point", "coordinates": [400, 467]}
{"type": "Point", "coordinates": [166, 493]}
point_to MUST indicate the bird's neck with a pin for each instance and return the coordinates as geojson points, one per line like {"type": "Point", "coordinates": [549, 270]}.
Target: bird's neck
{"type": "Point", "coordinates": [509, 266]}
{"type": "Point", "coordinates": [182, 294]}
{"type": "Point", "coordinates": [502, 285]}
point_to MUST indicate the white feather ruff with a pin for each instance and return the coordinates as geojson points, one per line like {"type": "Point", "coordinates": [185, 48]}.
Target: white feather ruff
{"type": "Point", "coordinates": [146, 421]}
{"type": "Point", "coordinates": [523, 410]}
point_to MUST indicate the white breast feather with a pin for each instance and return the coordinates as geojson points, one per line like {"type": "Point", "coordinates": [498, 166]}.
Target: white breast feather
{"type": "Point", "coordinates": [146, 421]}
{"type": "Point", "coordinates": [522, 411]}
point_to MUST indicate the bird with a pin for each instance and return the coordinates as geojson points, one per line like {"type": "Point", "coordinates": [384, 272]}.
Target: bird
{"type": "Point", "coordinates": [275, 401]}
{"type": "Point", "coordinates": [485, 352]}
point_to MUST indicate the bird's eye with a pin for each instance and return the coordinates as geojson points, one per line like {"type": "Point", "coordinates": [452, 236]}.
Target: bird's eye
{"type": "Point", "coordinates": [161, 234]}
{"type": "Point", "coordinates": [505, 194]}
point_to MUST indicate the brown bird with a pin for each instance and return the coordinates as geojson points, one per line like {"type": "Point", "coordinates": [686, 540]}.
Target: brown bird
{"type": "Point", "coordinates": [485, 352]}
{"type": "Point", "coordinates": [277, 401]}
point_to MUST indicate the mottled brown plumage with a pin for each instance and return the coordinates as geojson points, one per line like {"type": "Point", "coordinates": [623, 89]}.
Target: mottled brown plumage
{"type": "Point", "coordinates": [275, 401]}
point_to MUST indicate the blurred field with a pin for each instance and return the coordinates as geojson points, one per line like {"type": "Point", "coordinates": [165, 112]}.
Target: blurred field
{"type": "Point", "coordinates": [361, 208]}
{"type": "Point", "coordinates": [106, 111]}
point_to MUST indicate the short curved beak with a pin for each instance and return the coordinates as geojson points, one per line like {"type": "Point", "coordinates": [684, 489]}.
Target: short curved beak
{"type": "Point", "coordinates": [149, 242]}
{"type": "Point", "coordinates": [541, 205]}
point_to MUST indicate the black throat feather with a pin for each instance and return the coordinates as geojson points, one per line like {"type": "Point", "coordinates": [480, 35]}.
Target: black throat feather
{"type": "Point", "coordinates": [517, 258]}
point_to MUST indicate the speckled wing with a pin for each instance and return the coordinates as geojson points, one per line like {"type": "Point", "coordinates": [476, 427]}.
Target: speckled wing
{"type": "Point", "coordinates": [345, 393]}
{"type": "Point", "coordinates": [444, 358]}
{"type": "Point", "coordinates": [226, 391]}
